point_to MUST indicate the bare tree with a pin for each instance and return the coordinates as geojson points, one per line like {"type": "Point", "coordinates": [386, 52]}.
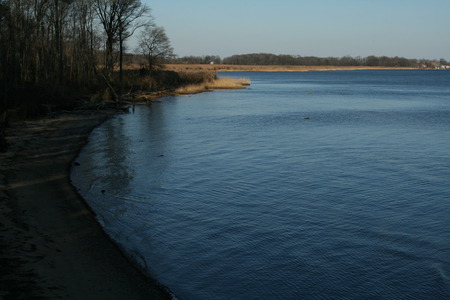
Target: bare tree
{"type": "Point", "coordinates": [107, 11]}
{"type": "Point", "coordinates": [154, 45]}
{"type": "Point", "coordinates": [120, 19]}
{"type": "Point", "coordinates": [58, 11]}
{"type": "Point", "coordinates": [130, 17]}
{"type": "Point", "coordinates": [83, 42]}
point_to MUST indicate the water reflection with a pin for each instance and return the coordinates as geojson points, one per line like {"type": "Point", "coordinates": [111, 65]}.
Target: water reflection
{"type": "Point", "coordinates": [121, 171]}
{"type": "Point", "coordinates": [104, 174]}
{"type": "Point", "coordinates": [117, 174]}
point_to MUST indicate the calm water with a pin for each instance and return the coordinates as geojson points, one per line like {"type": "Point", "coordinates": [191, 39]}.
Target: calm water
{"type": "Point", "coordinates": [319, 185]}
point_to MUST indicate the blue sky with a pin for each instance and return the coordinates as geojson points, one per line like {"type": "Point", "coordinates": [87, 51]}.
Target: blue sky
{"type": "Point", "coordinates": [407, 28]}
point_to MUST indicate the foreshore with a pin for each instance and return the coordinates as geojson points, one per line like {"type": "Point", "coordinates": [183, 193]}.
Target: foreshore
{"type": "Point", "coordinates": [51, 245]}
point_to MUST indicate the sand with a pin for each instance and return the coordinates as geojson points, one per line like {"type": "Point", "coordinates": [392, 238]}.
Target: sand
{"type": "Point", "coordinates": [51, 247]}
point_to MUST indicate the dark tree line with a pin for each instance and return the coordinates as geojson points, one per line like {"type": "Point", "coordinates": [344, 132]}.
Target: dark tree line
{"type": "Point", "coordinates": [272, 59]}
{"type": "Point", "coordinates": [50, 49]}
{"type": "Point", "coordinates": [47, 42]}
{"type": "Point", "coordinates": [207, 59]}
{"type": "Point", "coordinates": [65, 42]}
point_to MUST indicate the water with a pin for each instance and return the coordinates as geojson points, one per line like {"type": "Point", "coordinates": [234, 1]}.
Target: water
{"type": "Point", "coordinates": [318, 185]}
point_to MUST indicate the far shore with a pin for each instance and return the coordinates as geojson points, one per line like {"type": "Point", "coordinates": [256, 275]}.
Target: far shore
{"type": "Point", "coordinates": [266, 68]}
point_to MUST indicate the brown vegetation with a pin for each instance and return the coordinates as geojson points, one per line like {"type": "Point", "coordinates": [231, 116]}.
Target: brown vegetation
{"type": "Point", "coordinates": [266, 68]}
{"type": "Point", "coordinates": [214, 84]}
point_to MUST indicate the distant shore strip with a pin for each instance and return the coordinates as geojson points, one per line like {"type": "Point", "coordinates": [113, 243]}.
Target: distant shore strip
{"type": "Point", "coordinates": [270, 68]}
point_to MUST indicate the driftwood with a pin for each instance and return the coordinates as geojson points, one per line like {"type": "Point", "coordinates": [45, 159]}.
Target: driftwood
{"type": "Point", "coordinates": [110, 87]}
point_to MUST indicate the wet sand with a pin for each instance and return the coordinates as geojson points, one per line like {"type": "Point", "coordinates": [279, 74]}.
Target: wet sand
{"type": "Point", "coordinates": [51, 247]}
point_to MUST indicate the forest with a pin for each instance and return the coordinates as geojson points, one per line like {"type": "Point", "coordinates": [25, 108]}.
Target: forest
{"type": "Point", "coordinates": [271, 59]}
{"type": "Point", "coordinates": [55, 53]}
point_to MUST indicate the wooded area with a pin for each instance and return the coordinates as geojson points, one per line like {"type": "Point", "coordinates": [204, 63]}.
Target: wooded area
{"type": "Point", "coordinates": [52, 52]}
{"type": "Point", "coordinates": [271, 59]}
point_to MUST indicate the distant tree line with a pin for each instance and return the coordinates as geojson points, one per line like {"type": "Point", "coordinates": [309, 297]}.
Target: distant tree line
{"type": "Point", "coordinates": [207, 59]}
{"type": "Point", "coordinates": [272, 59]}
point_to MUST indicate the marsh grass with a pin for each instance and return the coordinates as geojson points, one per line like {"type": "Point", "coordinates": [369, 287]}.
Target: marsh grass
{"type": "Point", "coordinates": [267, 68]}
{"type": "Point", "coordinates": [214, 84]}
{"type": "Point", "coordinates": [228, 83]}
{"type": "Point", "coordinates": [197, 77]}
{"type": "Point", "coordinates": [138, 84]}
{"type": "Point", "coordinates": [145, 85]}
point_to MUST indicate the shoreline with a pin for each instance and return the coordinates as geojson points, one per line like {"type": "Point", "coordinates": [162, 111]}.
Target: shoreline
{"type": "Point", "coordinates": [269, 68]}
{"type": "Point", "coordinates": [51, 244]}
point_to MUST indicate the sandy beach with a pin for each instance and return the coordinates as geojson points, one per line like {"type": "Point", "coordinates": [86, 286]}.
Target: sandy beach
{"type": "Point", "coordinates": [51, 245]}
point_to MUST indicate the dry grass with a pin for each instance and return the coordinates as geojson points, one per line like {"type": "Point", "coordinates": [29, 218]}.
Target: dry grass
{"type": "Point", "coordinates": [196, 77]}
{"type": "Point", "coordinates": [191, 89]}
{"type": "Point", "coordinates": [214, 84]}
{"type": "Point", "coordinates": [257, 68]}
{"type": "Point", "coordinates": [228, 83]}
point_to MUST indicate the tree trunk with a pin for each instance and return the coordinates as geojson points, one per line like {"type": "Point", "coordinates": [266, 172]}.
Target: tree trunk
{"type": "Point", "coordinates": [120, 64]}
{"type": "Point", "coordinates": [109, 63]}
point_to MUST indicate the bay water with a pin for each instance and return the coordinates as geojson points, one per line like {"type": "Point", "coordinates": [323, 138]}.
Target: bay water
{"type": "Point", "coordinates": [316, 185]}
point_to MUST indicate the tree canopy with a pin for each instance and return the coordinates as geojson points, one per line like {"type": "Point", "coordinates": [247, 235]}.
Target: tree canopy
{"type": "Point", "coordinates": [154, 45]}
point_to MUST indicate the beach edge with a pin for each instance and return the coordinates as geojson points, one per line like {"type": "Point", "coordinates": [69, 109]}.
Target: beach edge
{"type": "Point", "coordinates": [52, 246]}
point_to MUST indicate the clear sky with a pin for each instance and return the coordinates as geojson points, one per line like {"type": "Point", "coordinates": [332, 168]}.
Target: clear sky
{"type": "Point", "coordinates": [407, 28]}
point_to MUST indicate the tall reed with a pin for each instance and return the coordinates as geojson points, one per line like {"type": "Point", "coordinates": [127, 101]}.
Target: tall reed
{"type": "Point", "coordinates": [215, 84]}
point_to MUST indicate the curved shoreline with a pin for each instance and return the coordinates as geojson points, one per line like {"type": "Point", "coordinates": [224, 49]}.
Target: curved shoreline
{"type": "Point", "coordinates": [52, 246]}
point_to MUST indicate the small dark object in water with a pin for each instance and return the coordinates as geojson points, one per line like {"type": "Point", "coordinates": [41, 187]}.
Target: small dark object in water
{"type": "Point", "coordinates": [76, 164]}
{"type": "Point", "coordinates": [306, 118]}
{"type": "Point", "coordinates": [103, 191]}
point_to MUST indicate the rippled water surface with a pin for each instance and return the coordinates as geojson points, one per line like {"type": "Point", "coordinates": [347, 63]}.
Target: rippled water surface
{"type": "Point", "coordinates": [318, 185]}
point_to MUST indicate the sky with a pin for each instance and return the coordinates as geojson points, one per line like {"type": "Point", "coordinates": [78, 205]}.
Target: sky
{"type": "Point", "coordinates": [323, 28]}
